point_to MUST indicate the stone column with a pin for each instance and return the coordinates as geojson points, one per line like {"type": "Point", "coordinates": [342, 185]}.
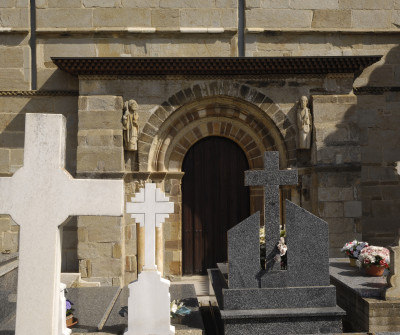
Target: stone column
{"type": "Point", "coordinates": [100, 154]}
{"type": "Point", "coordinates": [393, 292]}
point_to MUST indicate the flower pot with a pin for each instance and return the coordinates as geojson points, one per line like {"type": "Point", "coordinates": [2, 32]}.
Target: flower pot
{"type": "Point", "coordinates": [71, 321]}
{"type": "Point", "coordinates": [353, 261]}
{"type": "Point", "coordinates": [374, 270]}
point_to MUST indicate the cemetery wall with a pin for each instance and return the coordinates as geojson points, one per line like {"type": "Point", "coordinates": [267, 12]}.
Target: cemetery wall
{"type": "Point", "coordinates": [349, 178]}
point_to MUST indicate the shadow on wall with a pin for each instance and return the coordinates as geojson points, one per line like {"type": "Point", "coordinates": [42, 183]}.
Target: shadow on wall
{"type": "Point", "coordinates": [13, 110]}
{"type": "Point", "coordinates": [379, 121]}
{"type": "Point", "coordinates": [364, 133]}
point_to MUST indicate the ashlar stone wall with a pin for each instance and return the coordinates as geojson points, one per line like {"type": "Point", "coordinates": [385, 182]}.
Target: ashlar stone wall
{"type": "Point", "coordinates": [354, 160]}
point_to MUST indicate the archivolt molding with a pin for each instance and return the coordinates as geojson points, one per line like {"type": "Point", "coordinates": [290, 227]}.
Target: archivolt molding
{"type": "Point", "coordinates": [252, 120]}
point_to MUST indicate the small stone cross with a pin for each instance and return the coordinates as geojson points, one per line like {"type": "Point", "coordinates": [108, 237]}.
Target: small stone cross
{"type": "Point", "coordinates": [149, 298]}
{"type": "Point", "coordinates": [150, 208]}
{"type": "Point", "coordinates": [39, 197]}
{"type": "Point", "coordinates": [271, 177]}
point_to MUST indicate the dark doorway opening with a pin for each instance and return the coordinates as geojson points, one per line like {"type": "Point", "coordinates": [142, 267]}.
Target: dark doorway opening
{"type": "Point", "coordinates": [214, 200]}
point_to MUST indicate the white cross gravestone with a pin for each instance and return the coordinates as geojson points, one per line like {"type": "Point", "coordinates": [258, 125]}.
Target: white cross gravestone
{"type": "Point", "coordinates": [149, 299]}
{"type": "Point", "coordinates": [39, 197]}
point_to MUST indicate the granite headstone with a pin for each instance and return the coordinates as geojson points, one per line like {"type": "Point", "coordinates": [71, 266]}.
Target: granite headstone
{"type": "Point", "coordinates": [298, 300]}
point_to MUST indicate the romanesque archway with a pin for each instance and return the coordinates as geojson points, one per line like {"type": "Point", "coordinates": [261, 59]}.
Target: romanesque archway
{"type": "Point", "coordinates": [169, 135]}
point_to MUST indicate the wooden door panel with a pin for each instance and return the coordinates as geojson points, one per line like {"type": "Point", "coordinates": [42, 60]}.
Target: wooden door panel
{"type": "Point", "coordinates": [214, 200]}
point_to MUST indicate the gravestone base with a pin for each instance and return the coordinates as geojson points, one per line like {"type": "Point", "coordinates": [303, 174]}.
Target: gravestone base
{"type": "Point", "coordinates": [149, 305]}
{"type": "Point", "coordinates": [283, 321]}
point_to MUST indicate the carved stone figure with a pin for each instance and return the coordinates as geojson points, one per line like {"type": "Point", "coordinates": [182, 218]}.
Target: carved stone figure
{"type": "Point", "coordinates": [304, 124]}
{"type": "Point", "coordinates": [130, 125]}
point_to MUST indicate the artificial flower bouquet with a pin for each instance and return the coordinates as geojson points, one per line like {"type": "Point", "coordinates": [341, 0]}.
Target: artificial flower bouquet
{"type": "Point", "coordinates": [177, 308]}
{"type": "Point", "coordinates": [353, 248]}
{"type": "Point", "coordinates": [373, 255]}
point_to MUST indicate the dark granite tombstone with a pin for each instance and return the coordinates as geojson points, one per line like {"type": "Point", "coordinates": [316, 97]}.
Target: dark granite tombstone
{"type": "Point", "coordinates": [298, 300]}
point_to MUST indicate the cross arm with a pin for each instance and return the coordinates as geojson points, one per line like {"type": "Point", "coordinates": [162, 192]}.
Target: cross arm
{"type": "Point", "coordinates": [95, 197]}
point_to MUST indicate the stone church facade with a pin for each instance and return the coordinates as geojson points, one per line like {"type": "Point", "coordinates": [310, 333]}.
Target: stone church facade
{"type": "Point", "coordinates": [74, 58]}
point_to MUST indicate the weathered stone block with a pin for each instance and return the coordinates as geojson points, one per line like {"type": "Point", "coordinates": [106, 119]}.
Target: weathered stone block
{"type": "Point", "coordinates": [314, 4]}
{"type": "Point", "coordinates": [106, 267]}
{"type": "Point", "coordinates": [352, 209]}
{"type": "Point", "coordinates": [14, 18]}
{"type": "Point", "coordinates": [5, 225]}
{"type": "Point", "coordinates": [76, 48]}
{"type": "Point", "coordinates": [64, 18]}
{"type": "Point", "coordinates": [7, 4]}
{"type": "Point", "coordinates": [121, 17]}
{"type": "Point", "coordinates": [100, 138]}
{"type": "Point", "coordinates": [100, 159]}
{"type": "Point", "coordinates": [82, 234]}
{"type": "Point", "coordinates": [69, 239]}
{"type": "Point", "coordinates": [278, 18]}
{"type": "Point", "coordinates": [335, 194]}
{"type": "Point", "coordinates": [186, 4]}
{"type": "Point", "coordinates": [104, 103]}
{"type": "Point", "coordinates": [85, 268]}
{"type": "Point", "coordinates": [366, 4]}
{"type": "Point", "coordinates": [371, 19]}
{"type": "Point", "coordinates": [16, 159]}
{"type": "Point", "coordinates": [94, 250]}
{"type": "Point", "coordinates": [10, 241]}
{"type": "Point", "coordinates": [117, 251]}
{"type": "Point", "coordinates": [131, 264]}
{"type": "Point", "coordinates": [104, 231]}
{"type": "Point", "coordinates": [140, 3]}
{"type": "Point", "coordinates": [90, 120]}
{"type": "Point", "coordinates": [22, 3]}
{"type": "Point", "coordinates": [331, 209]}
{"type": "Point", "coordinates": [331, 19]}
{"type": "Point", "coordinates": [165, 17]}
{"type": "Point", "coordinates": [12, 57]}
{"type": "Point", "coordinates": [64, 4]}
{"type": "Point", "coordinates": [13, 79]}
{"type": "Point", "coordinates": [226, 3]}
{"type": "Point", "coordinates": [207, 18]}
{"type": "Point", "coordinates": [340, 225]}
{"type": "Point", "coordinates": [100, 3]}
{"type": "Point", "coordinates": [4, 160]}
{"type": "Point", "coordinates": [274, 4]}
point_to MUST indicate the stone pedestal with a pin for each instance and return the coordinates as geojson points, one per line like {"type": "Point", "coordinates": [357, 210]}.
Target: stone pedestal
{"type": "Point", "coordinates": [149, 305]}
{"type": "Point", "coordinates": [62, 327]}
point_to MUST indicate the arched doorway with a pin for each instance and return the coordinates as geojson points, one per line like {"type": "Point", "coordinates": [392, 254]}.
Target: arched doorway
{"type": "Point", "coordinates": [214, 200]}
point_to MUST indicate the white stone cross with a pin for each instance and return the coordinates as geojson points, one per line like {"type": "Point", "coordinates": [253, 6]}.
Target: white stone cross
{"type": "Point", "coordinates": [150, 208]}
{"type": "Point", "coordinates": [149, 298]}
{"type": "Point", "coordinates": [39, 197]}
{"type": "Point", "coordinates": [271, 177]}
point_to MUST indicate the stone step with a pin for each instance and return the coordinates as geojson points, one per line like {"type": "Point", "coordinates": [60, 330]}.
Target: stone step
{"type": "Point", "coordinates": [75, 280]}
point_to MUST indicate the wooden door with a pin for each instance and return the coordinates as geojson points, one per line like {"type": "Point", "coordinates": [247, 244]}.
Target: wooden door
{"type": "Point", "coordinates": [214, 200]}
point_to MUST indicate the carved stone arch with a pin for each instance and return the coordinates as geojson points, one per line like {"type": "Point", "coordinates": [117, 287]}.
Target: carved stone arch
{"type": "Point", "coordinates": [221, 108]}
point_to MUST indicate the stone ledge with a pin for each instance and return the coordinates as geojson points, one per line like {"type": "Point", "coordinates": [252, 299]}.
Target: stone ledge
{"type": "Point", "coordinates": [135, 30]}
{"type": "Point", "coordinates": [281, 313]}
{"type": "Point", "coordinates": [320, 30]}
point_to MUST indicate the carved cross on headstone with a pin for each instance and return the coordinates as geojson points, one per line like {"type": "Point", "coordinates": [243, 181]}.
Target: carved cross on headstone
{"type": "Point", "coordinates": [39, 197]}
{"type": "Point", "coordinates": [150, 208]}
{"type": "Point", "coordinates": [271, 177]}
